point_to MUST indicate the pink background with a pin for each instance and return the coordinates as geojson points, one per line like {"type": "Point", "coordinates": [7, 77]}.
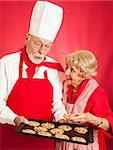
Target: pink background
{"type": "Point", "coordinates": [86, 25]}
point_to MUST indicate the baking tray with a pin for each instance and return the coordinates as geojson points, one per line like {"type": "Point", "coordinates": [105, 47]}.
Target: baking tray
{"type": "Point", "coordinates": [80, 138]}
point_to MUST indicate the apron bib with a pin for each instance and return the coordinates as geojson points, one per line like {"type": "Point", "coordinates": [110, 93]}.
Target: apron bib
{"type": "Point", "coordinates": [31, 98]}
{"type": "Point", "coordinates": [79, 107]}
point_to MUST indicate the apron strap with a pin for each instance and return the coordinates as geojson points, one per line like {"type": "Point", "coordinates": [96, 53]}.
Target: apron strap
{"type": "Point", "coordinates": [45, 74]}
{"type": "Point", "coordinates": [20, 66]}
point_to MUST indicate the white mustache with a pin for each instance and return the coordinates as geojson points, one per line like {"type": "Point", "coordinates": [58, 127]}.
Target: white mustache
{"type": "Point", "coordinates": [38, 57]}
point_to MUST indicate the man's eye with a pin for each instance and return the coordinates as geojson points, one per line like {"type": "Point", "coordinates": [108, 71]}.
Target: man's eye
{"type": "Point", "coordinates": [47, 46]}
{"type": "Point", "coordinates": [37, 44]}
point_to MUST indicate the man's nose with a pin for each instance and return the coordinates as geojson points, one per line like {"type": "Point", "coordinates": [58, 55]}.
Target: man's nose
{"type": "Point", "coordinates": [41, 49]}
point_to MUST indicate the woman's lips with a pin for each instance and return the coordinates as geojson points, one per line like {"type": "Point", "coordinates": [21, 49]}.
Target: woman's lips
{"type": "Point", "coordinates": [68, 77]}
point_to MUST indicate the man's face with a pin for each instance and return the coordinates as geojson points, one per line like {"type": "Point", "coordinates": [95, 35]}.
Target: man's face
{"type": "Point", "coordinates": [37, 48]}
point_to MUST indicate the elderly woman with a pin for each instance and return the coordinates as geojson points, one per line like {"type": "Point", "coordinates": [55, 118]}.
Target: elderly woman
{"type": "Point", "coordinates": [84, 97]}
{"type": "Point", "coordinates": [30, 85]}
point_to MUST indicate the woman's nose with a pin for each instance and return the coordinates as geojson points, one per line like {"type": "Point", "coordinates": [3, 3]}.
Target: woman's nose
{"type": "Point", "coordinates": [67, 72]}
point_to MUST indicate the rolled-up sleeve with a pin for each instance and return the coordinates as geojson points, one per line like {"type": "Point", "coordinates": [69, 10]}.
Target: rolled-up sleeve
{"type": "Point", "coordinates": [58, 108]}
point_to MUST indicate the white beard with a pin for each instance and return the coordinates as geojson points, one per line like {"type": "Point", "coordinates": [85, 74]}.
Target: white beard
{"type": "Point", "coordinates": [36, 59]}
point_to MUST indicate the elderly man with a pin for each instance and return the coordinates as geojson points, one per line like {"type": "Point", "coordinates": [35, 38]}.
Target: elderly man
{"type": "Point", "coordinates": [30, 86]}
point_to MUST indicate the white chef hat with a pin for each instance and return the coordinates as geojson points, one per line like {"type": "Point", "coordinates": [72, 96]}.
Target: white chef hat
{"type": "Point", "coordinates": [46, 20]}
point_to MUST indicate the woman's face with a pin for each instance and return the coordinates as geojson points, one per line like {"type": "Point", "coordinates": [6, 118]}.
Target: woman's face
{"type": "Point", "coordinates": [37, 48]}
{"type": "Point", "coordinates": [72, 75]}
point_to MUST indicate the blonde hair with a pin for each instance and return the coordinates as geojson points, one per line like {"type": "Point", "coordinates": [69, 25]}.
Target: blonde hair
{"type": "Point", "coordinates": [85, 61]}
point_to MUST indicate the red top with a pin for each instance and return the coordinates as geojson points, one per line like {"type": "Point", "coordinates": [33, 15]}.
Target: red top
{"type": "Point", "coordinates": [98, 105]}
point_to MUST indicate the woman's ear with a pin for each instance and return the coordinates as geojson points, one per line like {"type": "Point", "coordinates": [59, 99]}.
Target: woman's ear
{"type": "Point", "coordinates": [27, 36]}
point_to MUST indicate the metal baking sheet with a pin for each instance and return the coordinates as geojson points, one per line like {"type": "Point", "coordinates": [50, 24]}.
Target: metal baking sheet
{"type": "Point", "coordinates": [88, 136]}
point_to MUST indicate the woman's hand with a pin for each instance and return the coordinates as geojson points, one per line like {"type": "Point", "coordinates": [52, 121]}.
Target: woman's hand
{"type": "Point", "coordinates": [83, 118]}
{"type": "Point", "coordinates": [62, 120]}
{"type": "Point", "coordinates": [19, 119]}
{"type": "Point", "coordinates": [98, 122]}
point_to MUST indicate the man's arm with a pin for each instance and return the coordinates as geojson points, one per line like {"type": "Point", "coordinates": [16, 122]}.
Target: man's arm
{"type": "Point", "coordinates": [6, 114]}
{"type": "Point", "coordinates": [58, 106]}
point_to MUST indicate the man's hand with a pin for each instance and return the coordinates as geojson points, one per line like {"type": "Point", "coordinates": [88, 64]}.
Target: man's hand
{"type": "Point", "coordinates": [19, 119]}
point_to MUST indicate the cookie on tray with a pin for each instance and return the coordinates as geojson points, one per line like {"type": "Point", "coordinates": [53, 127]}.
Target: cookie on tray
{"type": "Point", "coordinates": [30, 131]}
{"type": "Point", "coordinates": [34, 123]}
{"type": "Point", "coordinates": [57, 131]}
{"type": "Point", "coordinates": [65, 127]}
{"type": "Point", "coordinates": [62, 136]}
{"type": "Point", "coordinates": [48, 125]}
{"type": "Point", "coordinates": [38, 129]}
{"type": "Point", "coordinates": [81, 130]}
{"type": "Point", "coordinates": [44, 133]}
{"type": "Point", "coordinates": [78, 139]}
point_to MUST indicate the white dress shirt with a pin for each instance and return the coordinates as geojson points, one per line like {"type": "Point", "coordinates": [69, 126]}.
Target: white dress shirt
{"type": "Point", "coordinates": [9, 73]}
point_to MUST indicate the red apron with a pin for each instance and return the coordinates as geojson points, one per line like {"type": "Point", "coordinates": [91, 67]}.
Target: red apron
{"type": "Point", "coordinates": [31, 98]}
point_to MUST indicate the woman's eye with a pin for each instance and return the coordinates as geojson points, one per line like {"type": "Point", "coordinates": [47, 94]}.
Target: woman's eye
{"type": "Point", "coordinates": [66, 67]}
{"type": "Point", "coordinates": [72, 70]}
